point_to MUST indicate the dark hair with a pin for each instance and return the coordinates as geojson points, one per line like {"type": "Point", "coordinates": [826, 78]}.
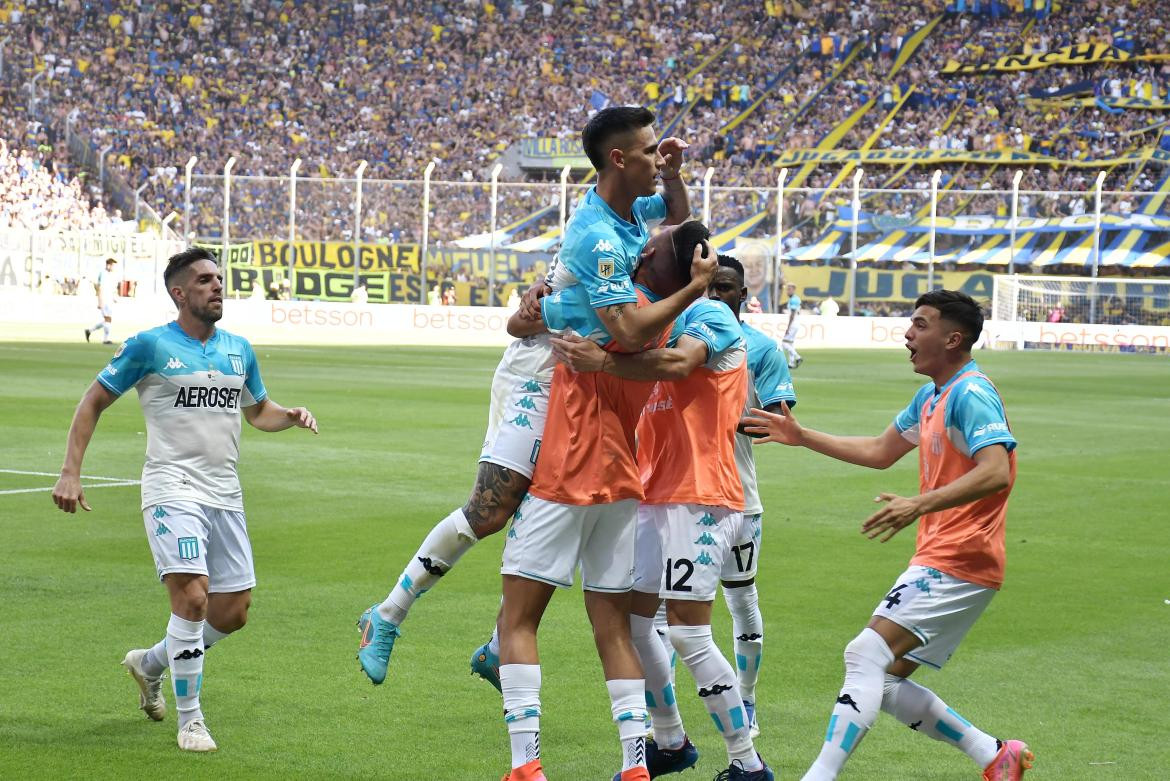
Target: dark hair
{"type": "Point", "coordinates": [726, 261]}
{"type": "Point", "coordinates": [686, 237]}
{"type": "Point", "coordinates": [183, 259]}
{"type": "Point", "coordinates": [958, 308]}
{"type": "Point", "coordinates": [608, 123]}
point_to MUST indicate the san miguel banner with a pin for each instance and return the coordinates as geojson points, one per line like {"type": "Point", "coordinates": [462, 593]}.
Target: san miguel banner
{"type": "Point", "coordinates": [796, 157]}
{"type": "Point", "coordinates": [1081, 54]}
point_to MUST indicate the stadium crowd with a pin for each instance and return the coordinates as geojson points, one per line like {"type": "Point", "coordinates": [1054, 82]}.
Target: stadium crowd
{"type": "Point", "coordinates": [382, 82]}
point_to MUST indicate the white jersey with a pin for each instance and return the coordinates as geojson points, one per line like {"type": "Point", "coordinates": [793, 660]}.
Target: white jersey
{"type": "Point", "coordinates": [107, 288]}
{"type": "Point", "coordinates": [191, 395]}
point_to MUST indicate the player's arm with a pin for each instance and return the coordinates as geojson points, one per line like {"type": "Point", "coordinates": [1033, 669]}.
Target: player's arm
{"type": "Point", "coordinates": [664, 363]}
{"type": "Point", "coordinates": [267, 415]}
{"type": "Point", "coordinates": [67, 493]}
{"type": "Point", "coordinates": [674, 190]}
{"type": "Point", "coordinates": [633, 326]}
{"type": "Point", "coordinates": [877, 452]}
{"type": "Point", "coordinates": [521, 325]}
{"type": "Point", "coordinates": [992, 473]}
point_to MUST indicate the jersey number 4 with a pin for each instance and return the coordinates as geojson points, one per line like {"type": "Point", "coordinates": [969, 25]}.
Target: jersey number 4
{"type": "Point", "coordinates": [894, 598]}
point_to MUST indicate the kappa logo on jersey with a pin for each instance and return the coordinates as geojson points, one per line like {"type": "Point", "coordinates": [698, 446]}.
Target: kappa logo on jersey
{"type": "Point", "coordinates": [522, 421]}
{"type": "Point", "coordinates": [175, 363]}
{"type": "Point", "coordinates": [707, 520]}
{"type": "Point", "coordinates": [605, 267]}
{"type": "Point", "coordinates": [526, 403]}
{"type": "Point", "coordinates": [237, 362]}
{"type": "Point", "coordinates": [161, 530]}
{"type": "Point", "coordinates": [159, 513]}
{"type": "Point", "coordinates": [705, 539]}
{"type": "Point", "coordinates": [531, 386]}
{"type": "Point", "coordinates": [704, 559]}
{"type": "Point", "coordinates": [602, 245]}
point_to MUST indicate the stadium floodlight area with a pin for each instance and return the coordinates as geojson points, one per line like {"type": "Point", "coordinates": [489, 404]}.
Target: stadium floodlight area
{"type": "Point", "coordinates": [1069, 302]}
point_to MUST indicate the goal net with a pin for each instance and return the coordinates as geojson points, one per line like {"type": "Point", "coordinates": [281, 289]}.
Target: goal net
{"type": "Point", "coordinates": [1048, 312]}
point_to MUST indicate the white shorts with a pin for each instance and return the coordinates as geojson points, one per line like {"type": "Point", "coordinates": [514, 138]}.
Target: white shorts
{"type": "Point", "coordinates": [107, 310]}
{"type": "Point", "coordinates": [191, 537]}
{"type": "Point", "coordinates": [682, 548]}
{"type": "Point", "coordinates": [547, 540]}
{"type": "Point", "coordinates": [938, 608]}
{"type": "Point", "coordinates": [790, 334]}
{"type": "Point", "coordinates": [516, 418]}
{"type": "Point", "coordinates": [743, 560]}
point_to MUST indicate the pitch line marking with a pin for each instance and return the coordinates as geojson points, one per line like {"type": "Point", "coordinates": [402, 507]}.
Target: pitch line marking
{"type": "Point", "coordinates": [86, 487]}
{"type": "Point", "coordinates": [58, 474]}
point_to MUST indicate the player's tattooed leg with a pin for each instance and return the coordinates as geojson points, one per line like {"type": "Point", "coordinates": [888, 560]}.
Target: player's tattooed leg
{"type": "Point", "coordinates": [497, 493]}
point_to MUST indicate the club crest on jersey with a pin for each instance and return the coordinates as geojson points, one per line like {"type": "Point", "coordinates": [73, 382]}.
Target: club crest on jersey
{"type": "Point", "coordinates": [605, 267]}
{"type": "Point", "coordinates": [120, 350]}
{"type": "Point", "coordinates": [237, 363]}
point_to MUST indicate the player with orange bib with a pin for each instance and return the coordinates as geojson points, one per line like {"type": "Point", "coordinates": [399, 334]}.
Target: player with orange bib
{"type": "Point", "coordinates": [967, 464]}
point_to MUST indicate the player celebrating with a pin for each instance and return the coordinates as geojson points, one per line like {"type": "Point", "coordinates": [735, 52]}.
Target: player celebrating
{"type": "Point", "coordinates": [967, 464]}
{"type": "Point", "coordinates": [688, 521]}
{"type": "Point", "coordinates": [769, 385]}
{"type": "Point", "coordinates": [520, 387]}
{"type": "Point", "coordinates": [107, 293]}
{"type": "Point", "coordinates": [192, 379]}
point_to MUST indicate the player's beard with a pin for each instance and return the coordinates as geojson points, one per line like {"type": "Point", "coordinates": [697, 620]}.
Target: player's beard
{"type": "Point", "coordinates": [207, 314]}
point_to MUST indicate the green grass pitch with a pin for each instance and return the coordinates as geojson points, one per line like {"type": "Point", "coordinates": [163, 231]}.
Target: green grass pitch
{"type": "Point", "coordinates": [1070, 657]}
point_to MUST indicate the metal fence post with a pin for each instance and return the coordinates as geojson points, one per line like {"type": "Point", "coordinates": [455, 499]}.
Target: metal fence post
{"type": "Point", "coordinates": [492, 270]}
{"type": "Point", "coordinates": [426, 228]}
{"type": "Point", "coordinates": [853, 255]}
{"type": "Point", "coordinates": [1096, 244]}
{"type": "Point", "coordinates": [778, 271]}
{"type": "Point", "coordinates": [707, 196]}
{"type": "Point", "coordinates": [564, 199]}
{"type": "Point", "coordinates": [934, 180]}
{"type": "Point", "coordinates": [1015, 216]}
{"type": "Point", "coordinates": [357, 223]}
{"type": "Point", "coordinates": [227, 203]}
{"type": "Point", "coordinates": [292, 227]}
{"type": "Point", "coordinates": [186, 198]}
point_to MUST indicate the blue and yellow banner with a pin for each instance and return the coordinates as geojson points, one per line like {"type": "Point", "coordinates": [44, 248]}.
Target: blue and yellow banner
{"type": "Point", "coordinates": [553, 153]}
{"type": "Point", "coordinates": [796, 157]}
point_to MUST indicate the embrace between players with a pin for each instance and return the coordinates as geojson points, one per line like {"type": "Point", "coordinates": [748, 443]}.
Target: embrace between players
{"type": "Point", "coordinates": [616, 444]}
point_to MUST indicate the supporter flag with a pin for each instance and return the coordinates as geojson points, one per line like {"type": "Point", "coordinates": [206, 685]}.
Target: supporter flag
{"type": "Point", "coordinates": [1106, 107]}
{"type": "Point", "coordinates": [599, 100]}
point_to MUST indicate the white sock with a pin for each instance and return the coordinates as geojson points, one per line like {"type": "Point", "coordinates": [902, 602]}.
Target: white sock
{"type": "Point", "coordinates": [921, 710]}
{"type": "Point", "coordinates": [185, 650]}
{"type": "Point", "coordinates": [521, 686]}
{"type": "Point", "coordinates": [866, 658]}
{"type": "Point", "coordinates": [105, 331]}
{"type": "Point", "coordinates": [663, 630]}
{"type": "Point", "coordinates": [156, 661]}
{"type": "Point", "coordinates": [447, 542]}
{"type": "Point", "coordinates": [627, 700]}
{"type": "Point", "coordinates": [748, 628]}
{"type": "Point", "coordinates": [494, 643]}
{"type": "Point", "coordinates": [717, 689]}
{"type": "Point", "coordinates": [668, 725]}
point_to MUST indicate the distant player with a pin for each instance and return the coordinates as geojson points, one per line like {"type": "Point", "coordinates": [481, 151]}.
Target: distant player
{"type": "Point", "coordinates": [688, 522]}
{"type": "Point", "coordinates": [967, 464]}
{"type": "Point", "coordinates": [193, 380]}
{"type": "Point", "coordinates": [770, 384]}
{"type": "Point", "coordinates": [789, 341]}
{"type": "Point", "coordinates": [107, 294]}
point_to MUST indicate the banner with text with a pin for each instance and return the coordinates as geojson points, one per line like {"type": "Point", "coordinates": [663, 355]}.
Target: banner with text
{"type": "Point", "coordinates": [1080, 54]}
{"type": "Point", "coordinates": [795, 157]}
{"type": "Point", "coordinates": [553, 153]}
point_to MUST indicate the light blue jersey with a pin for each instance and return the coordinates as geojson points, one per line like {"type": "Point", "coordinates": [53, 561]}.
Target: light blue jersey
{"type": "Point", "coordinates": [713, 324]}
{"type": "Point", "coordinates": [975, 417]}
{"type": "Point", "coordinates": [769, 382]}
{"type": "Point", "coordinates": [191, 395]}
{"type": "Point", "coordinates": [600, 249]}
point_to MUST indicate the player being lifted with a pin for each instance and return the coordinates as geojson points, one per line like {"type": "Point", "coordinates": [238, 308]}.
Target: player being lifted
{"type": "Point", "coordinates": [967, 466]}
{"type": "Point", "coordinates": [193, 380]}
{"type": "Point", "coordinates": [520, 387]}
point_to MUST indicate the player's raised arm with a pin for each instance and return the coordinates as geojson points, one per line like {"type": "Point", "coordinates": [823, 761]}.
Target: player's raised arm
{"type": "Point", "coordinates": [68, 493]}
{"type": "Point", "coordinates": [877, 452]}
{"type": "Point", "coordinates": [674, 190]}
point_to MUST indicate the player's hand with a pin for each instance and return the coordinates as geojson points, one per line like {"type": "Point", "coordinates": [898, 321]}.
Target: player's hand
{"type": "Point", "coordinates": [580, 355]}
{"type": "Point", "coordinates": [530, 301]}
{"type": "Point", "coordinates": [773, 427]}
{"type": "Point", "coordinates": [703, 265]}
{"type": "Point", "coordinates": [899, 512]}
{"type": "Point", "coordinates": [671, 150]}
{"type": "Point", "coordinates": [68, 494]}
{"type": "Point", "coordinates": [302, 418]}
